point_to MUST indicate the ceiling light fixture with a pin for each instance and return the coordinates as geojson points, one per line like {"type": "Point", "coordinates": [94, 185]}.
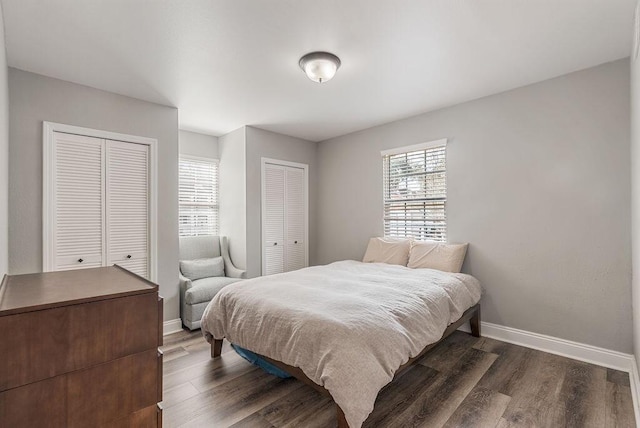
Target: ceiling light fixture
{"type": "Point", "coordinates": [320, 66]}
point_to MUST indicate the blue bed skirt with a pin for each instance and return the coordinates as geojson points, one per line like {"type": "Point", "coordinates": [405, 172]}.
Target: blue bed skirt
{"type": "Point", "coordinates": [260, 362]}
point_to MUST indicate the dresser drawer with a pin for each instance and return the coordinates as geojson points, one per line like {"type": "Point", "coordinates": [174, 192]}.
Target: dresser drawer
{"type": "Point", "coordinates": [42, 344]}
{"type": "Point", "coordinates": [41, 404]}
{"type": "Point", "coordinates": [114, 391]}
{"type": "Point", "coordinates": [118, 393]}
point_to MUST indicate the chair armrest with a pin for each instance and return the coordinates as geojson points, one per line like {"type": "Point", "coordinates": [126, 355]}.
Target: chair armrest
{"type": "Point", "coordinates": [229, 268]}
{"type": "Point", "coordinates": [185, 283]}
{"type": "Point", "coordinates": [233, 272]}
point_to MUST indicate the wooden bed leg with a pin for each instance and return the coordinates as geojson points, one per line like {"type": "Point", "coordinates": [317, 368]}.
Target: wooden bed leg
{"type": "Point", "coordinates": [342, 421]}
{"type": "Point", "coordinates": [216, 348]}
{"type": "Point", "coordinates": [475, 323]}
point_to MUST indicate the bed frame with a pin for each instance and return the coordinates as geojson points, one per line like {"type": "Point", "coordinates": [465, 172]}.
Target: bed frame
{"type": "Point", "coordinates": [472, 315]}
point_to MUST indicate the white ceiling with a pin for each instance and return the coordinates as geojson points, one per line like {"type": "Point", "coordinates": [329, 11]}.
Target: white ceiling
{"type": "Point", "coordinates": [228, 63]}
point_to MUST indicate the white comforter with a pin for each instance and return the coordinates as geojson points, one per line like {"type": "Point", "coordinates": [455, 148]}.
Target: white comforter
{"type": "Point", "coordinates": [348, 325]}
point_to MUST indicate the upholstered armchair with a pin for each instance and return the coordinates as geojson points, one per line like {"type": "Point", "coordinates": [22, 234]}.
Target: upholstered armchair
{"type": "Point", "coordinates": [205, 268]}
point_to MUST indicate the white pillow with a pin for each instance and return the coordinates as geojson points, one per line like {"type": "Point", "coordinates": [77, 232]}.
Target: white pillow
{"type": "Point", "coordinates": [202, 268]}
{"type": "Point", "coordinates": [436, 255]}
{"type": "Point", "coordinates": [393, 251]}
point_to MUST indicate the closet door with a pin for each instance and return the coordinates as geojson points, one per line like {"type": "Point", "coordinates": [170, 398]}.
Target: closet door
{"type": "Point", "coordinates": [78, 185]}
{"type": "Point", "coordinates": [295, 219]}
{"type": "Point", "coordinates": [284, 218]}
{"type": "Point", "coordinates": [273, 220]}
{"type": "Point", "coordinates": [127, 206]}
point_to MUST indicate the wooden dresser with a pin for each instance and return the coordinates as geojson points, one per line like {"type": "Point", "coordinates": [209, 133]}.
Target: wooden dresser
{"type": "Point", "coordinates": [80, 349]}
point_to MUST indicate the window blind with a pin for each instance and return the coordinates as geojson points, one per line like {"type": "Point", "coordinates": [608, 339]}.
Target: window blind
{"type": "Point", "coordinates": [198, 197]}
{"type": "Point", "coordinates": [415, 194]}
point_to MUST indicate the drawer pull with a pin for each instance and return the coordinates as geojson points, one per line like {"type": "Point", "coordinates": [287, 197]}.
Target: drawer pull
{"type": "Point", "coordinates": [80, 260]}
{"type": "Point", "coordinates": [129, 256]}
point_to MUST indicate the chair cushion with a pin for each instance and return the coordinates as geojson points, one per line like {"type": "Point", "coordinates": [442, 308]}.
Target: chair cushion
{"type": "Point", "coordinates": [202, 268]}
{"type": "Point", "coordinates": [205, 289]}
{"type": "Point", "coordinates": [199, 247]}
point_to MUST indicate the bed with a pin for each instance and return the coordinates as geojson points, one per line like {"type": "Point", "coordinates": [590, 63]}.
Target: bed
{"type": "Point", "coordinates": [347, 328]}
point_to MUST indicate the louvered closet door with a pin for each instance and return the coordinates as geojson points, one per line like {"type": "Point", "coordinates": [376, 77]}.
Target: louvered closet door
{"type": "Point", "coordinates": [273, 237]}
{"type": "Point", "coordinates": [294, 203]}
{"type": "Point", "coordinates": [77, 209]}
{"type": "Point", "coordinates": [127, 206]}
{"type": "Point", "coordinates": [284, 218]}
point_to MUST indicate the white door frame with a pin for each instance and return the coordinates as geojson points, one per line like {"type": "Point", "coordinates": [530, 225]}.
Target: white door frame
{"type": "Point", "coordinates": [304, 167]}
{"type": "Point", "coordinates": [48, 161]}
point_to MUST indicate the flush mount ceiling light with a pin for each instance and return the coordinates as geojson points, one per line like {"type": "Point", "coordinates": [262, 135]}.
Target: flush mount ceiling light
{"type": "Point", "coordinates": [320, 66]}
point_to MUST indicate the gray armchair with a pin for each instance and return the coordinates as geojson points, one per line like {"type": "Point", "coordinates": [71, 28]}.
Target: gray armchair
{"type": "Point", "coordinates": [195, 295]}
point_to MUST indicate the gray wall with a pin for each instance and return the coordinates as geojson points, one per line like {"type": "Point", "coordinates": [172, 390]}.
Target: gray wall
{"type": "Point", "coordinates": [34, 99]}
{"type": "Point", "coordinates": [241, 153]}
{"type": "Point", "coordinates": [538, 184]}
{"type": "Point", "coordinates": [233, 213]}
{"type": "Point", "coordinates": [261, 143]}
{"type": "Point", "coordinates": [196, 144]}
{"type": "Point", "coordinates": [635, 202]}
{"type": "Point", "coordinates": [4, 155]}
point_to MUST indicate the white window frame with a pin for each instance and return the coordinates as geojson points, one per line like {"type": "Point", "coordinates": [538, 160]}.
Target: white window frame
{"type": "Point", "coordinates": [407, 149]}
{"type": "Point", "coordinates": [201, 159]}
{"type": "Point", "coordinates": [48, 191]}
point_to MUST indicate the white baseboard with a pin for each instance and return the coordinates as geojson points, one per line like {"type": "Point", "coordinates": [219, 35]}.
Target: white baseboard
{"type": "Point", "coordinates": [171, 326]}
{"type": "Point", "coordinates": [554, 345]}
{"type": "Point", "coordinates": [635, 389]}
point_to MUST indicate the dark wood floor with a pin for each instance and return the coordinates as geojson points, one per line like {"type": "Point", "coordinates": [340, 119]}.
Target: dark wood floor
{"type": "Point", "coordinates": [463, 382]}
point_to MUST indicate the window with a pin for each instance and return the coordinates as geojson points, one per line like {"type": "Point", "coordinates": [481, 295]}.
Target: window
{"type": "Point", "coordinates": [198, 196]}
{"type": "Point", "coordinates": [415, 191]}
